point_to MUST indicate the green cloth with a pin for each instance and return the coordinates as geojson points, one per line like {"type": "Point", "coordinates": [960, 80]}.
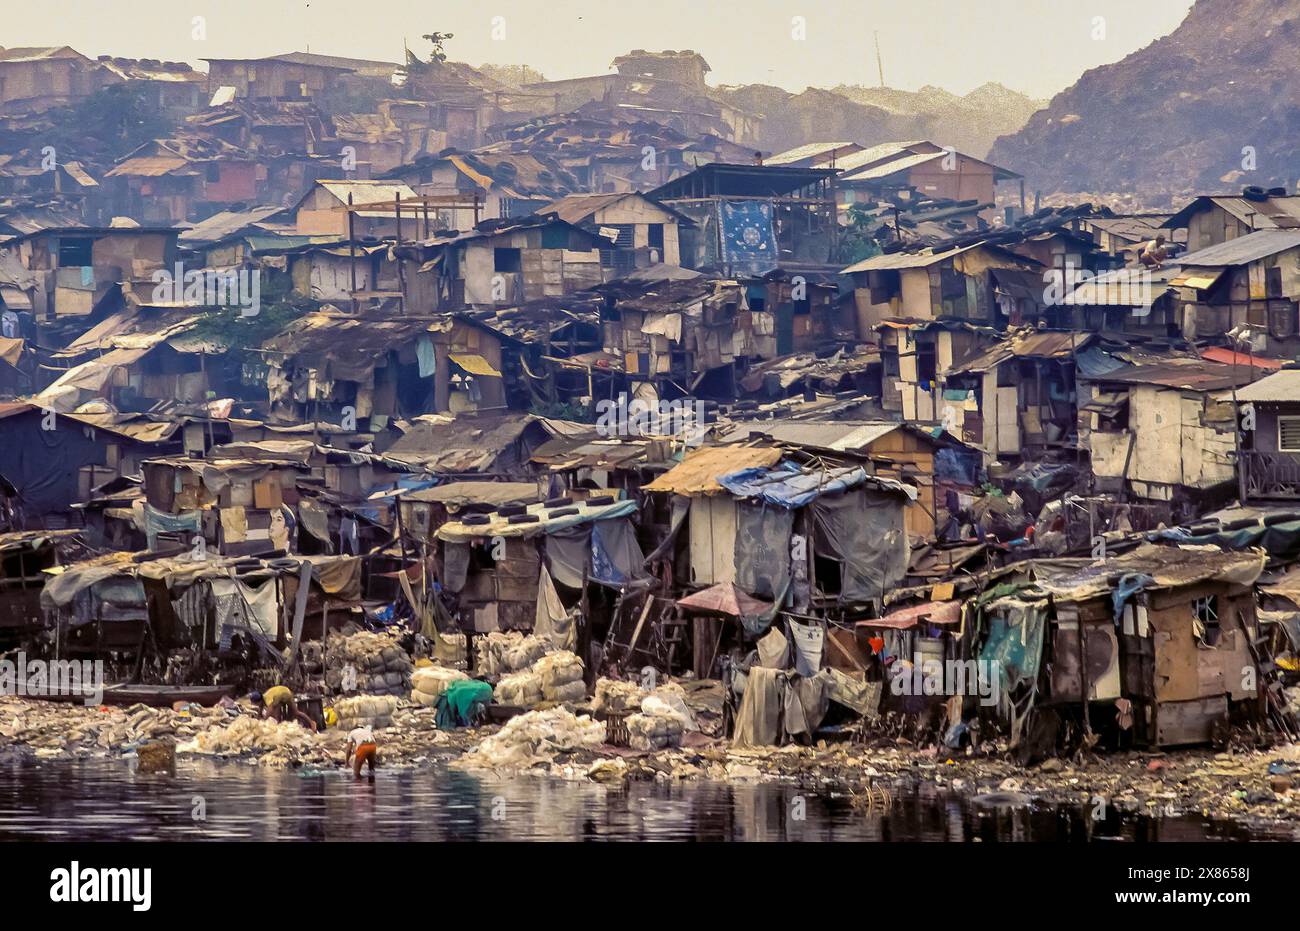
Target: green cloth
{"type": "Point", "coordinates": [456, 705]}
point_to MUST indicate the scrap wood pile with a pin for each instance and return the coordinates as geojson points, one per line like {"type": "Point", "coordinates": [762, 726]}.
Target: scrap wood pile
{"type": "Point", "coordinates": [366, 662]}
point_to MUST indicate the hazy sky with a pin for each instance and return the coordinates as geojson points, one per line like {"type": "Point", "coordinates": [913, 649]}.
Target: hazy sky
{"type": "Point", "coordinates": [1036, 46]}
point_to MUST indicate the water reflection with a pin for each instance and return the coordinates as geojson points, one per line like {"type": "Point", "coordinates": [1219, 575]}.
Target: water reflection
{"type": "Point", "coordinates": [205, 800]}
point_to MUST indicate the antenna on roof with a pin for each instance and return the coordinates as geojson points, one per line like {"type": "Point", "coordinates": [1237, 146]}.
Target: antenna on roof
{"type": "Point", "coordinates": [880, 65]}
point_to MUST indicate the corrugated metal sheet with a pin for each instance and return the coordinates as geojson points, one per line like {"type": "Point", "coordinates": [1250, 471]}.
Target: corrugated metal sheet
{"type": "Point", "coordinates": [839, 436]}
{"type": "Point", "coordinates": [698, 472]}
{"type": "Point", "coordinates": [877, 172]}
{"type": "Point", "coordinates": [147, 166]}
{"type": "Point", "coordinates": [1243, 249]}
{"type": "Point", "coordinates": [1280, 386]}
{"type": "Point", "coordinates": [1123, 287]}
{"type": "Point", "coordinates": [800, 153]}
{"type": "Point", "coordinates": [904, 260]}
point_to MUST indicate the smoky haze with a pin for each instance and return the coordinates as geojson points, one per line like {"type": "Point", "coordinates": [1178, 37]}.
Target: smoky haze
{"type": "Point", "coordinates": [1037, 47]}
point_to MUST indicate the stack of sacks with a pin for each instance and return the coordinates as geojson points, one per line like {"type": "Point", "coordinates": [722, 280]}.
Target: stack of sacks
{"type": "Point", "coordinates": [379, 666]}
{"type": "Point", "coordinates": [501, 652]}
{"type": "Point", "coordinates": [614, 696]}
{"type": "Point", "coordinates": [561, 675]}
{"type": "Point", "coordinates": [535, 737]}
{"type": "Point", "coordinates": [428, 682]}
{"type": "Point", "coordinates": [663, 720]}
{"type": "Point", "coordinates": [674, 696]}
{"type": "Point", "coordinates": [369, 710]}
{"type": "Point", "coordinates": [521, 689]}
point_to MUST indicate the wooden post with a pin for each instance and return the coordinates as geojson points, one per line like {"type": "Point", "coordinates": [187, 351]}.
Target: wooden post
{"type": "Point", "coordinates": [352, 252]}
{"type": "Point", "coordinates": [401, 275]}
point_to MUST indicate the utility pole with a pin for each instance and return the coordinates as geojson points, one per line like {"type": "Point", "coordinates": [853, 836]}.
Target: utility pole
{"type": "Point", "coordinates": [880, 65]}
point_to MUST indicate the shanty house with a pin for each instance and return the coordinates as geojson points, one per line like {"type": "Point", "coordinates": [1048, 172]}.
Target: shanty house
{"type": "Point", "coordinates": [33, 79]}
{"type": "Point", "coordinates": [751, 219]}
{"type": "Point", "coordinates": [1164, 430]}
{"type": "Point", "coordinates": [485, 185]}
{"type": "Point", "coordinates": [324, 209]}
{"type": "Point", "coordinates": [640, 231]}
{"type": "Point", "coordinates": [501, 263]}
{"type": "Point", "coordinates": [1269, 412]}
{"type": "Point", "coordinates": [919, 170]}
{"type": "Point", "coordinates": [499, 565]}
{"type": "Point", "coordinates": [1018, 397]}
{"type": "Point", "coordinates": [789, 532]}
{"type": "Point", "coordinates": [931, 284]}
{"type": "Point", "coordinates": [931, 462]}
{"type": "Point", "coordinates": [182, 178]}
{"type": "Point", "coordinates": [1251, 280]}
{"type": "Point", "coordinates": [380, 367]}
{"type": "Point", "coordinates": [74, 268]}
{"type": "Point", "coordinates": [292, 76]}
{"type": "Point", "coordinates": [1212, 219]}
{"type": "Point", "coordinates": [1167, 653]}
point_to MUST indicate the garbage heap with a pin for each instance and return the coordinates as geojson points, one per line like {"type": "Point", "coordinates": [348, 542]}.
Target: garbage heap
{"type": "Point", "coordinates": [534, 738]}
{"type": "Point", "coordinates": [657, 720]}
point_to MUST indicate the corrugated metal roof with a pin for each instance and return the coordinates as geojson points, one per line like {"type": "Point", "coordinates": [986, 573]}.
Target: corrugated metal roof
{"type": "Point", "coordinates": [1243, 249]}
{"type": "Point", "coordinates": [904, 260]}
{"type": "Point", "coordinates": [1280, 386]}
{"type": "Point", "coordinates": [875, 172]}
{"type": "Point", "coordinates": [1191, 374]}
{"type": "Point", "coordinates": [837, 435]}
{"type": "Point", "coordinates": [370, 192]}
{"type": "Point", "coordinates": [698, 472]}
{"type": "Point", "coordinates": [1229, 357]}
{"type": "Point", "coordinates": [1123, 287]}
{"type": "Point", "coordinates": [147, 166]}
{"type": "Point", "coordinates": [803, 152]}
{"type": "Point", "coordinates": [876, 153]}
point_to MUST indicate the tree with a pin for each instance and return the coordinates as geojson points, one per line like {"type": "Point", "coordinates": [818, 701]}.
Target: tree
{"type": "Point", "coordinates": [415, 66]}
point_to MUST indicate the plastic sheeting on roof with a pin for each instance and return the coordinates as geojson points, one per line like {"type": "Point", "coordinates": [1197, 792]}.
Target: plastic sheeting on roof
{"type": "Point", "coordinates": [790, 486]}
{"type": "Point", "coordinates": [498, 525]}
{"type": "Point", "coordinates": [698, 473]}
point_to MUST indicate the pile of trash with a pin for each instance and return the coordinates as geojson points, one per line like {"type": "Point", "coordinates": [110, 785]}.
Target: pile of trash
{"type": "Point", "coordinates": [366, 662]}
{"type": "Point", "coordinates": [663, 720]}
{"type": "Point", "coordinates": [249, 734]}
{"type": "Point", "coordinates": [534, 738]}
{"type": "Point", "coordinates": [374, 711]}
{"type": "Point", "coordinates": [503, 652]}
{"type": "Point", "coordinates": [614, 696]}
{"type": "Point", "coordinates": [429, 682]}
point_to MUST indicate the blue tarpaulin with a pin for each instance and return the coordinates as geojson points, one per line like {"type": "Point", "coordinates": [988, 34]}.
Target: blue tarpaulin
{"type": "Point", "coordinates": [787, 485]}
{"type": "Point", "coordinates": [748, 237]}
